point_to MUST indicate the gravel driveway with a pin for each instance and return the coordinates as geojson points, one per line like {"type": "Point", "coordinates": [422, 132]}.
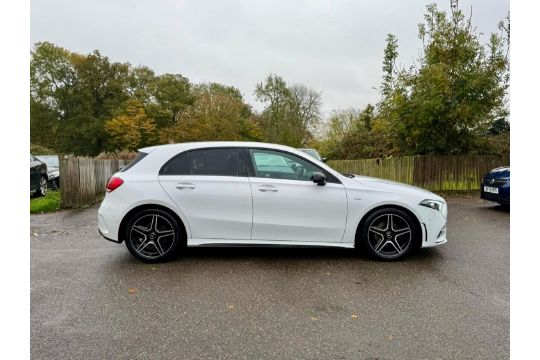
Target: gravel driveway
{"type": "Point", "coordinates": [91, 300]}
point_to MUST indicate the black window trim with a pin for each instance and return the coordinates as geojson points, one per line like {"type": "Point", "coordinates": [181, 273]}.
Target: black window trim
{"type": "Point", "coordinates": [330, 178]}
{"type": "Point", "coordinates": [140, 155]}
{"type": "Point", "coordinates": [241, 172]}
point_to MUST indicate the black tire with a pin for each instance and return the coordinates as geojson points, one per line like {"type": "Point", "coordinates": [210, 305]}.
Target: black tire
{"type": "Point", "coordinates": [42, 188]}
{"type": "Point", "coordinates": [384, 234]}
{"type": "Point", "coordinates": [144, 241]}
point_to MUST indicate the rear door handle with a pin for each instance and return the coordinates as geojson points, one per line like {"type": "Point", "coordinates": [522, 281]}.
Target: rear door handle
{"type": "Point", "coordinates": [265, 188]}
{"type": "Point", "coordinates": [183, 186]}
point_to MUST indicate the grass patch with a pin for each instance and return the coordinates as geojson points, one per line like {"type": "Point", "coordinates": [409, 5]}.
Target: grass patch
{"type": "Point", "coordinates": [43, 204]}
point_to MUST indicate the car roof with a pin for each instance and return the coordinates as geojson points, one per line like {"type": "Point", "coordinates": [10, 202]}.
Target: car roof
{"type": "Point", "coordinates": [206, 144]}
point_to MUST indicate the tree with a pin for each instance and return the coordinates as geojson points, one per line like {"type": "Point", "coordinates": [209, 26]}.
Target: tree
{"type": "Point", "coordinates": [218, 113]}
{"type": "Point", "coordinates": [171, 95]}
{"type": "Point", "coordinates": [131, 129]}
{"type": "Point", "coordinates": [71, 97]}
{"type": "Point", "coordinates": [446, 103]}
{"type": "Point", "coordinates": [291, 112]}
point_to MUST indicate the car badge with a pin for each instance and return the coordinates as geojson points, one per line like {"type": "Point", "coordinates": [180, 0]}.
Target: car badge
{"type": "Point", "coordinates": [492, 181]}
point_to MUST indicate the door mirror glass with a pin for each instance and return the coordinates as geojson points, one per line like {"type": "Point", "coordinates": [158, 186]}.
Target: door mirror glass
{"type": "Point", "coordinates": [318, 178]}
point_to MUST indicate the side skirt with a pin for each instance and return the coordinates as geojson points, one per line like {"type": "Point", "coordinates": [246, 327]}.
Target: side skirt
{"type": "Point", "coordinates": [263, 243]}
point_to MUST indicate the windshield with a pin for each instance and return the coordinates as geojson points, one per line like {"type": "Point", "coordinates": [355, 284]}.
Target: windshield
{"type": "Point", "coordinates": [50, 160]}
{"type": "Point", "coordinates": [313, 153]}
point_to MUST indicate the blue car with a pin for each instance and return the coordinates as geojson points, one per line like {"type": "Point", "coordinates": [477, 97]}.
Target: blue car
{"type": "Point", "coordinates": [496, 186]}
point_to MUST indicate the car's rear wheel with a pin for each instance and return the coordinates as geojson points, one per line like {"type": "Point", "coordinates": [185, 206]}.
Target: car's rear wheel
{"type": "Point", "coordinates": [152, 235]}
{"type": "Point", "coordinates": [42, 189]}
{"type": "Point", "coordinates": [389, 234]}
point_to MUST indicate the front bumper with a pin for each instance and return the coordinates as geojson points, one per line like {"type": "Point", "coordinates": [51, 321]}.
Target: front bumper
{"type": "Point", "coordinates": [502, 197]}
{"type": "Point", "coordinates": [433, 223]}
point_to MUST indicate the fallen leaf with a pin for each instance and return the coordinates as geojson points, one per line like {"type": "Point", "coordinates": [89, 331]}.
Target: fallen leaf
{"type": "Point", "coordinates": [132, 290]}
{"type": "Point", "coordinates": [313, 318]}
{"type": "Point", "coordinates": [327, 273]}
{"type": "Point", "coordinates": [231, 306]}
{"type": "Point", "coordinates": [354, 316]}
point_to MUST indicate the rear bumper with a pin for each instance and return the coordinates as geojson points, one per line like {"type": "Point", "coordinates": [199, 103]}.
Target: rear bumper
{"type": "Point", "coordinates": [106, 238]}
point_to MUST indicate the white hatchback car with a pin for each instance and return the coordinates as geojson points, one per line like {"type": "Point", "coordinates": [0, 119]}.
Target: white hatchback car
{"type": "Point", "coordinates": [257, 194]}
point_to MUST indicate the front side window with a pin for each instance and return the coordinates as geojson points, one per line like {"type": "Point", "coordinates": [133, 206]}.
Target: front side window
{"type": "Point", "coordinates": [281, 165]}
{"type": "Point", "coordinates": [216, 162]}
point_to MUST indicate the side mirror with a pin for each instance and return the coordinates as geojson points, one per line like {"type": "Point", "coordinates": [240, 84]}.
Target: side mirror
{"type": "Point", "coordinates": [319, 178]}
{"type": "Point", "coordinates": [323, 160]}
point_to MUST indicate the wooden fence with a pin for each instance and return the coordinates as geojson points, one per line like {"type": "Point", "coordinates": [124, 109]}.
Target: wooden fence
{"type": "Point", "coordinates": [83, 180]}
{"type": "Point", "coordinates": [432, 172]}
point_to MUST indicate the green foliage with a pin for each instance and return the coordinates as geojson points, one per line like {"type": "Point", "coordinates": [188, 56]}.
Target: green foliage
{"type": "Point", "coordinates": [451, 101]}
{"type": "Point", "coordinates": [44, 204]}
{"type": "Point", "coordinates": [291, 112]}
{"type": "Point", "coordinates": [447, 103]}
{"type": "Point", "coordinates": [218, 113]}
{"type": "Point", "coordinates": [131, 129]}
{"type": "Point", "coordinates": [87, 105]}
{"type": "Point", "coordinates": [36, 149]}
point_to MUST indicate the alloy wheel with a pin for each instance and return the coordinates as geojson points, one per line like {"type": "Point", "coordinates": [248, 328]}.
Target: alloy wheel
{"type": "Point", "coordinates": [152, 236]}
{"type": "Point", "coordinates": [43, 186]}
{"type": "Point", "coordinates": [389, 235]}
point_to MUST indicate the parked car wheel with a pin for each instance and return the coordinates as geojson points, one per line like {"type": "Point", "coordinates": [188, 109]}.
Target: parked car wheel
{"type": "Point", "coordinates": [152, 235]}
{"type": "Point", "coordinates": [389, 234]}
{"type": "Point", "coordinates": [42, 189]}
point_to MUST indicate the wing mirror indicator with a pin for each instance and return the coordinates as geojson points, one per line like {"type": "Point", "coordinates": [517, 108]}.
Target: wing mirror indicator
{"type": "Point", "coordinates": [319, 178]}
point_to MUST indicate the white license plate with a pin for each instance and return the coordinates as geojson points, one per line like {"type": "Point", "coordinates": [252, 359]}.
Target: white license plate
{"type": "Point", "coordinates": [490, 189]}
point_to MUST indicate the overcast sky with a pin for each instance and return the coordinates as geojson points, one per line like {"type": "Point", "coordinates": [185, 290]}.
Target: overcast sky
{"type": "Point", "coordinates": [334, 47]}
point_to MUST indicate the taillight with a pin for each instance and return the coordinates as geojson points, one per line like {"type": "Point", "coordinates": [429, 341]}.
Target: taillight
{"type": "Point", "coordinates": [113, 183]}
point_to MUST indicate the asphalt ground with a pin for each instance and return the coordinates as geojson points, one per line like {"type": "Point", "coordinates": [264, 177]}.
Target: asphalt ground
{"type": "Point", "coordinates": [90, 299]}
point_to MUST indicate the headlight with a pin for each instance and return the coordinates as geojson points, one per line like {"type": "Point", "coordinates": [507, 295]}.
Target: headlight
{"type": "Point", "coordinates": [433, 204]}
{"type": "Point", "coordinates": [53, 175]}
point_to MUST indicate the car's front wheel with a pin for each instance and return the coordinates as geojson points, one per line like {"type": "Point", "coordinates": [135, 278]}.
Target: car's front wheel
{"type": "Point", "coordinates": [152, 235]}
{"type": "Point", "coordinates": [389, 234]}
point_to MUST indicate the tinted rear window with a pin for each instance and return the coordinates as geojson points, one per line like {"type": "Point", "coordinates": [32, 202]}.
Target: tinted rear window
{"type": "Point", "coordinates": [216, 162]}
{"type": "Point", "coordinates": [139, 157]}
{"type": "Point", "coordinates": [177, 166]}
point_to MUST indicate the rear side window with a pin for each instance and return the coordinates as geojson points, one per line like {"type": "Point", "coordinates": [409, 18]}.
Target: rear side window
{"type": "Point", "coordinates": [179, 165]}
{"type": "Point", "coordinates": [216, 162]}
{"type": "Point", "coordinates": [139, 157]}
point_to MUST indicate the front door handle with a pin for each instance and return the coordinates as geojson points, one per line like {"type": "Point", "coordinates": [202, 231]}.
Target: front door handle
{"type": "Point", "coordinates": [184, 186]}
{"type": "Point", "coordinates": [265, 188]}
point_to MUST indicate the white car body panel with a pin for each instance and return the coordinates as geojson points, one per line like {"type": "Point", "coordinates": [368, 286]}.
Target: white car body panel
{"type": "Point", "coordinates": [232, 210]}
{"type": "Point", "coordinates": [292, 210]}
{"type": "Point", "coordinates": [219, 206]}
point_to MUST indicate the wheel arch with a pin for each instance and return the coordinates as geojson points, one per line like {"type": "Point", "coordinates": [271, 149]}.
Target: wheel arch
{"type": "Point", "coordinates": [357, 235]}
{"type": "Point", "coordinates": [136, 209]}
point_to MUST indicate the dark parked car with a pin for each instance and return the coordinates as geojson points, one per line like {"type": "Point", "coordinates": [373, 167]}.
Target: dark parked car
{"type": "Point", "coordinates": [53, 169]}
{"type": "Point", "coordinates": [38, 177]}
{"type": "Point", "coordinates": [496, 186]}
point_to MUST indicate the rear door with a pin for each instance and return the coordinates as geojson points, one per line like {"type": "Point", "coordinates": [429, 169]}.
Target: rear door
{"type": "Point", "coordinates": [287, 205]}
{"type": "Point", "coordinates": [210, 186]}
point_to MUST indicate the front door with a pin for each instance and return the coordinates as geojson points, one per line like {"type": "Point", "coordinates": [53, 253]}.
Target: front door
{"type": "Point", "coordinates": [288, 206]}
{"type": "Point", "coordinates": [211, 188]}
